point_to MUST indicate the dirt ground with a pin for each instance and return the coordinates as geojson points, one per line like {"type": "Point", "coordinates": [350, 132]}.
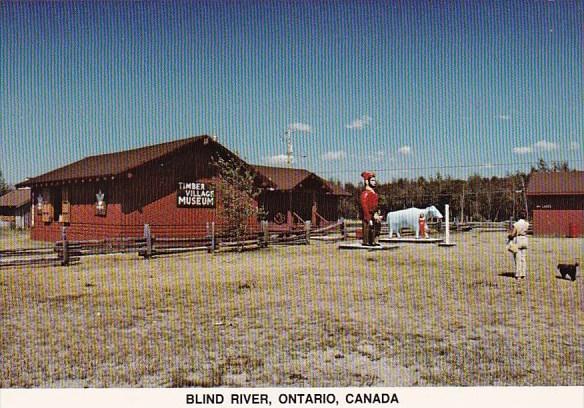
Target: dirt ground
{"type": "Point", "coordinates": [298, 316]}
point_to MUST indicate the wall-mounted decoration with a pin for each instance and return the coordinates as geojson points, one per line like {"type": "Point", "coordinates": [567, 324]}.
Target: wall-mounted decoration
{"type": "Point", "coordinates": [195, 195]}
{"type": "Point", "coordinates": [100, 205]}
{"type": "Point", "coordinates": [39, 205]}
{"type": "Point", "coordinates": [48, 213]}
{"type": "Point", "coordinates": [65, 216]}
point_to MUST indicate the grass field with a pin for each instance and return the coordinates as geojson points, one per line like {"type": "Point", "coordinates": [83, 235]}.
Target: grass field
{"type": "Point", "coordinates": [12, 238]}
{"type": "Point", "coordinates": [298, 316]}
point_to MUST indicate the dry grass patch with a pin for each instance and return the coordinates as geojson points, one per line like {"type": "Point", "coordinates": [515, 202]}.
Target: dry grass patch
{"type": "Point", "coordinates": [304, 316]}
{"type": "Point", "coordinates": [13, 239]}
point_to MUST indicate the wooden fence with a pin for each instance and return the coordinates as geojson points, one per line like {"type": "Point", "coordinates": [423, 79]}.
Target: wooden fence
{"type": "Point", "coordinates": [43, 256]}
{"type": "Point", "coordinates": [352, 226]}
{"type": "Point", "coordinates": [67, 252]}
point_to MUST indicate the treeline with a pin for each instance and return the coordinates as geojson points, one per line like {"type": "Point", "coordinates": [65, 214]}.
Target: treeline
{"type": "Point", "coordinates": [477, 198]}
{"type": "Point", "coordinates": [4, 187]}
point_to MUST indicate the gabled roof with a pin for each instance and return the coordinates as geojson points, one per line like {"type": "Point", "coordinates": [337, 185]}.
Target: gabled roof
{"type": "Point", "coordinates": [556, 183]}
{"type": "Point", "coordinates": [114, 164]}
{"type": "Point", "coordinates": [283, 178]}
{"type": "Point", "coordinates": [287, 179]}
{"type": "Point", "coordinates": [111, 164]}
{"type": "Point", "coordinates": [16, 198]}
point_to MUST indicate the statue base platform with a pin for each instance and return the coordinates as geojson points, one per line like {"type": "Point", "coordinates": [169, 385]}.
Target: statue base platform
{"type": "Point", "coordinates": [413, 240]}
{"type": "Point", "coordinates": [447, 244]}
{"type": "Point", "coordinates": [359, 245]}
{"type": "Point", "coordinates": [327, 238]}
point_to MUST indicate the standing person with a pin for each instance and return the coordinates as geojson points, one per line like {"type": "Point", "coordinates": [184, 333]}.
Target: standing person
{"type": "Point", "coordinates": [519, 237]}
{"type": "Point", "coordinates": [370, 217]}
{"type": "Point", "coordinates": [422, 226]}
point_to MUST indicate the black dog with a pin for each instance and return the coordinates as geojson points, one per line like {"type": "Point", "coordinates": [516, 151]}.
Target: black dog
{"type": "Point", "coordinates": [568, 269]}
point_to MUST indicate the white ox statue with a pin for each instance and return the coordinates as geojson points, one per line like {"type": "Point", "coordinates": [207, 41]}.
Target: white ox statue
{"type": "Point", "coordinates": [409, 218]}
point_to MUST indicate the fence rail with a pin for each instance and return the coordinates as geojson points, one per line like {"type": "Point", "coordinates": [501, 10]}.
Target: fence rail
{"type": "Point", "coordinates": [66, 252]}
{"type": "Point", "coordinates": [44, 256]}
{"type": "Point", "coordinates": [352, 226]}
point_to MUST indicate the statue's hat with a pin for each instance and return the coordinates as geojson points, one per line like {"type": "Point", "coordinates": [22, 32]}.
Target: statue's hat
{"type": "Point", "coordinates": [367, 175]}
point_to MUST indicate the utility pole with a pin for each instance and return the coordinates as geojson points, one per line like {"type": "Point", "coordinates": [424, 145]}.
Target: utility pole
{"type": "Point", "coordinates": [462, 205]}
{"type": "Point", "coordinates": [525, 198]}
{"type": "Point", "coordinates": [513, 193]}
{"type": "Point", "coordinates": [477, 211]}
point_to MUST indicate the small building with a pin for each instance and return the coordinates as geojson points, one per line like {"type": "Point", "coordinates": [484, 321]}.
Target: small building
{"type": "Point", "coordinates": [169, 186]}
{"type": "Point", "coordinates": [298, 195]}
{"type": "Point", "coordinates": [15, 209]}
{"type": "Point", "coordinates": [557, 202]}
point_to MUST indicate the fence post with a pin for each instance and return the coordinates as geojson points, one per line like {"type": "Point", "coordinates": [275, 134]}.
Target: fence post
{"type": "Point", "coordinates": [148, 237]}
{"type": "Point", "coordinates": [307, 231]}
{"type": "Point", "coordinates": [65, 260]}
{"type": "Point", "coordinates": [213, 243]}
{"type": "Point", "coordinates": [446, 242]}
{"type": "Point", "coordinates": [265, 233]}
{"type": "Point", "coordinates": [343, 229]}
{"type": "Point", "coordinates": [447, 213]}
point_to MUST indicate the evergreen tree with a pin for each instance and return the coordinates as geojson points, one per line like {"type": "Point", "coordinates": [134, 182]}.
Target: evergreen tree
{"type": "Point", "coordinates": [3, 185]}
{"type": "Point", "coordinates": [484, 198]}
{"type": "Point", "coordinates": [560, 166]}
{"type": "Point", "coordinates": [542, 165]}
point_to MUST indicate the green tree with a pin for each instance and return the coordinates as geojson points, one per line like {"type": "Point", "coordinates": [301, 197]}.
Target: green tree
{"type": "Point", "coordinates": [3, 185]}
{"type": "Point", "coordinates": [237, 190]}
{"type": "Point", "coordinates": [560, 166]}
{"type": "Point", "coordinates": [348, 206]}
{"type": "Point", "coordinates": [541, 165]}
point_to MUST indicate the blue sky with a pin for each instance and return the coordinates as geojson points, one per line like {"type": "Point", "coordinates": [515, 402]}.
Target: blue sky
{"type": "Point", "coordinates": [403, 88]}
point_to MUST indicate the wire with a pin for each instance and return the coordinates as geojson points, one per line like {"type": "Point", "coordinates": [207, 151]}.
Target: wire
{"type": "Point", "coordinates": [458, 166]}
{"type": "Point", "coordinates": [451, 194]}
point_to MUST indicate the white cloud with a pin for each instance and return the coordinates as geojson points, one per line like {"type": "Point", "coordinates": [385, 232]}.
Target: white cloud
{"type": "Point", "coordinates": [522, 150]}
{"type": "Point", "coordinates": [540, 146]}
{"type": "Point", "coordinates": [300, 127]}
{"type": "Point", "coordinates": [278, 159]}
{"type": "Point", "coordinates": [545, 146]}
{"type": "Point", "coordinates": [330, 156]}
{"type": "Point", "coordinates": [504, 117]}
{"type": "Point", "coordinates": [360, 123]}
{"type": "Point", "coordinates": [404, 150]}
{"type": "Point", "coordinates": [574, 146]}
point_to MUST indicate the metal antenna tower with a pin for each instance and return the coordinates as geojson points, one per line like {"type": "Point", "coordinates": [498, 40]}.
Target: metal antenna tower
{"type": "Point", "coordinates": [289, 149]}
{"type": "Point", "coordinates": [288, 139]}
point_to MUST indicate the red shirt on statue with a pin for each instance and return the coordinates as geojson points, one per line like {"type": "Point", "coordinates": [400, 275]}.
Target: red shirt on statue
{"type": "Point", "coordinates": [369, 201]}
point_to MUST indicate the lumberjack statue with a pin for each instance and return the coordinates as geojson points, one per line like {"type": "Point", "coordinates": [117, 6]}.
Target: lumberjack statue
{"type": "Point", "coordinates": [369, 212]}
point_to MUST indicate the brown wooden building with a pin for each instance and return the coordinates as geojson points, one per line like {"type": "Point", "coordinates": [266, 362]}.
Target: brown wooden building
{"type": "Point", "coordinates": [297, 195]}
{"type": "Point", "coordinates": [169, 186]}
{"type": "Point", "coordinates": [15, 209]}
{"type": "Point", "coordinates": [557, 202]}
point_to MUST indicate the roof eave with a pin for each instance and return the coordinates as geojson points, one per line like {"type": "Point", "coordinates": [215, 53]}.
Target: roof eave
{"type": "Point", "coordinates": [35, 182]}
{"type": "Point", "coordinates": [89, 179]}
